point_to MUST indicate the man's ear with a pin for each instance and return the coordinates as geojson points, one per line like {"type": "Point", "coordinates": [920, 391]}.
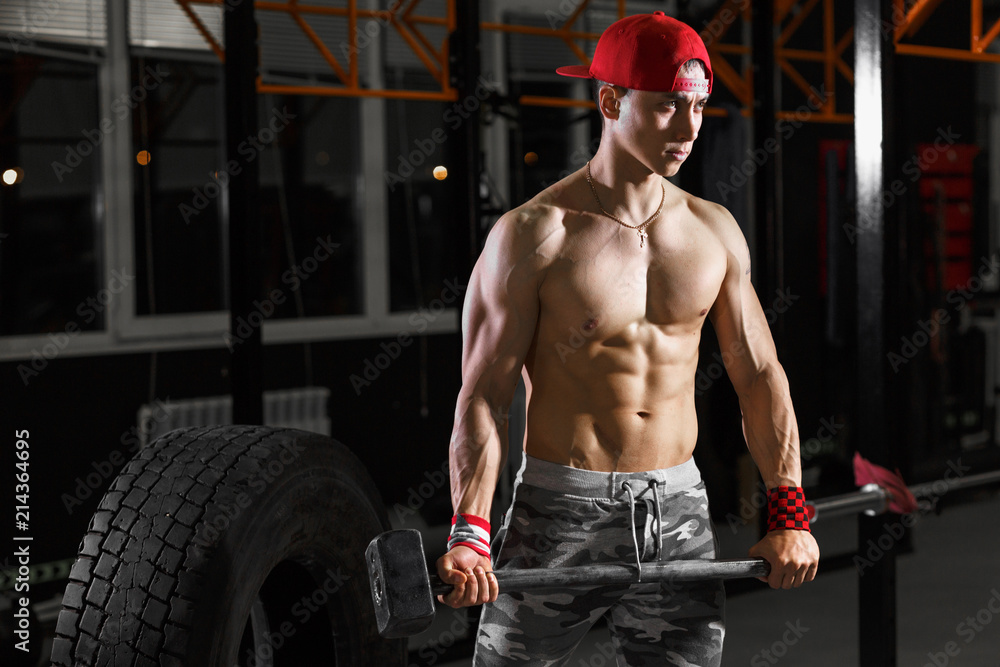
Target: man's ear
{"type": "Point", "coordinates": [609, 102]}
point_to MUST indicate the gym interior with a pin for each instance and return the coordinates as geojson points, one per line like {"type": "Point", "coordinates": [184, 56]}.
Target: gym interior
{"type": "Point", "coordinates": [219, 212]}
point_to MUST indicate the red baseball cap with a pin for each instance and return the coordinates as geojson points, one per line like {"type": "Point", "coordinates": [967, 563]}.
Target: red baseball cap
{"type": "Point", "coordinates": [645, 52]}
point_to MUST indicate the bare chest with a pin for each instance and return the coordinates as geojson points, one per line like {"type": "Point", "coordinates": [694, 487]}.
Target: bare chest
{"type": "Point", "coordinates": [604, 279]}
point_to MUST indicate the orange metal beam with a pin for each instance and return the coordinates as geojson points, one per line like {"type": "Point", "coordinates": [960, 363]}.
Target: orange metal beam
{"type": "Point", "coordinates": [916, 17]}
{"type": "Point", "coordinates": [921, 11]}
{"type": "Point", "coordinates": [946, 53]}
{"type": "Point", "coordinates": [794, 24]}
{"type": "Point", "coordinates": [345, 91]}
{"type": "Point", "coordinates": [982, 43]}
{"type": "Point", "coordinates": [200, 27]}
{"type": "Point", "coordinates": [330, 59]}
{"type": "Point", "coordinates": [541, 32]}
{"type": "Point", "coordinates": [781, 9]}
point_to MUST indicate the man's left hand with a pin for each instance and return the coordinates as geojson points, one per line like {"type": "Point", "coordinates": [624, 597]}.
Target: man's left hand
{"type": "Point", "coordinates": [793, 555]}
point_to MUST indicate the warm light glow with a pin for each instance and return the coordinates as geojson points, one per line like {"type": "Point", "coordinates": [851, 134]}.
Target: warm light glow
{"type": "Point", "coordinates": [143, 157]}
{"type": "Point", "coordinates": [531, 157]}
{"type": "Point", "coordinates": [10, 177]}
{"type": "Point", "coordinates": [440, 173]}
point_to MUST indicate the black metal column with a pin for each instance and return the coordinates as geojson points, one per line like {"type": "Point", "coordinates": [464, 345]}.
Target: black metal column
{"type": "Point", "coordinates": [767, 204]}
{"type": "Point", "coordinates": [465, 64]}
{"type": "Point", "coordinates": [872, 84]}
{"type": "Point", "coordinates": [244, 213]}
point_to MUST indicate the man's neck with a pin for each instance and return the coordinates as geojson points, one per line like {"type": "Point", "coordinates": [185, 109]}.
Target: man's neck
{"type": "Point", "coordinates": [626, 188]}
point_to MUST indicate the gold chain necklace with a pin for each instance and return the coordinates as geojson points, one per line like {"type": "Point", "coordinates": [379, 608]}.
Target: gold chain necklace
{"type": "Point", "coordinates": [640, 229]}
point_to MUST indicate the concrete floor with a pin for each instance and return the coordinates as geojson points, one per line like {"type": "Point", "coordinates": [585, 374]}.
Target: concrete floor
{"type": "Point", "coordinates": [945, 590]}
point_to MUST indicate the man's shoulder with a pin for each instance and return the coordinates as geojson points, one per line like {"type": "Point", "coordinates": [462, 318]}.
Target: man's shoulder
{"type": "Point", "coordinates": [537, 220]}
{"type": "Point", "coordinates": [713, 216]}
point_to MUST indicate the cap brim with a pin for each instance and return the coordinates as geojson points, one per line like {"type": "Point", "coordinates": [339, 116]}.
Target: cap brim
{"type": "Point", "coordinates": [579, 71]}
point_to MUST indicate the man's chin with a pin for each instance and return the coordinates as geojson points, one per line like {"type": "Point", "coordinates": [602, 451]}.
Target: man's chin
{"type": "Point", "coordinates": [670, 168]}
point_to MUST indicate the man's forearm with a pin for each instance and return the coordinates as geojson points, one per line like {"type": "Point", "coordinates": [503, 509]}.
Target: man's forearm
{"type": "Point", "coordinates": [478, 450]}
{"type": "Point", "coordinates": [770, 429]}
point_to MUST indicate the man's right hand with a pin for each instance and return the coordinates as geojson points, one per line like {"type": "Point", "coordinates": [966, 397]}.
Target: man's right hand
{"type": "Point", "coordinates": [470, 574]}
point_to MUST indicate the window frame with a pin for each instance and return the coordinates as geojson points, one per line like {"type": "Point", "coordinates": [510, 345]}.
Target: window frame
{"type": "Point", "coordinates": [125, 331]}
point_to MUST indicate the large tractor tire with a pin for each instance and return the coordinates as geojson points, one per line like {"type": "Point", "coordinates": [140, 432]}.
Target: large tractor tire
{"type": "Point", "coordinates": [230, 545]}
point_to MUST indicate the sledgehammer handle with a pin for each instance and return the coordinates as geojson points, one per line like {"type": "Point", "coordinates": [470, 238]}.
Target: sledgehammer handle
{"type": "Point", "coordinates": [514, 581]}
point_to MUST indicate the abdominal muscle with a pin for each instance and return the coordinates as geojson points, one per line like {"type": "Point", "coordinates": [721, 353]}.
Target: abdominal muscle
{"type": "Point", "coordinates": [623, 409]}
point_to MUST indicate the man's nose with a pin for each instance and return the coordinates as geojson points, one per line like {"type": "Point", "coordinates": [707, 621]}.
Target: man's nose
{"type": "Point", "coordinates": [687, 129]}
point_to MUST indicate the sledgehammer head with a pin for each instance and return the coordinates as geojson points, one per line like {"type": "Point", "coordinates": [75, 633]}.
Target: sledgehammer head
{"type": "Point", "coordinates": [401, 587]}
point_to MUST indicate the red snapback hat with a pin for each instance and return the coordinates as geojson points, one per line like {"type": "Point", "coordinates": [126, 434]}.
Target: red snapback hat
{"type": "Point", "coordinates": [645, 52]}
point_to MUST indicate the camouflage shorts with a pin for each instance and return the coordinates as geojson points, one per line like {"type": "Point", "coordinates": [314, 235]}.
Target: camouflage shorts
{"type": "Point", "coordinates": [562, 517]}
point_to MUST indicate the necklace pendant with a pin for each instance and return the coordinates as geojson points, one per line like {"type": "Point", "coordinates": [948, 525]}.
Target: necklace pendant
{"type": "Point", "coordinates": [642, 237]}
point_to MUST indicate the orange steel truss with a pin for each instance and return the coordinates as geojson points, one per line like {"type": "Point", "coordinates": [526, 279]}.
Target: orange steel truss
{"type": "Point", "coordinates": [400, 16]}
{"type": "Point", "coordinates": [789, 16]}
{"type": "Point", "coordinates": [909, 15]}
{"type": "Point", "coordinates": [831, 55]}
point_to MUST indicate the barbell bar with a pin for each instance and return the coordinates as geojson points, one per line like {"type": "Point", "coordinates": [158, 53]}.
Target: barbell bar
{"type": "Point", "coordinates": [403, 591]}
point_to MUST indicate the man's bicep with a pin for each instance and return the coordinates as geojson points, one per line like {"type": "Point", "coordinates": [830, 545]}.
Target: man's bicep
{"type": "Point", "coordinates": [741, 326]}
{"type": "Point", "coordinates": [499, 319]}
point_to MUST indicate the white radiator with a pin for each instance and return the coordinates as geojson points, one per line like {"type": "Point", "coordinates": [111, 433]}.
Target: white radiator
{"type": "Point", "coordinates": [304, 408]}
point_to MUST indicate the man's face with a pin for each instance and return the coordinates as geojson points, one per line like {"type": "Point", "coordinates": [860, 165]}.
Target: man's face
{"type": "Point", "coordinates": [659, 129]}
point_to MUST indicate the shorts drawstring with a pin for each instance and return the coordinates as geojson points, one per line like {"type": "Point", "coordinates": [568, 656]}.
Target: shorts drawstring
{"type": "Point", "coordinates": [659, 522]}
{"type": "Point", "coordinates": [631, 518]}
{"type": "Point", "coordinates": [659, 518]}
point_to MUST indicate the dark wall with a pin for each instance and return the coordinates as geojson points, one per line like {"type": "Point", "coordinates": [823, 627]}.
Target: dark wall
{"type": "Point", "coordinates": [81, 415]}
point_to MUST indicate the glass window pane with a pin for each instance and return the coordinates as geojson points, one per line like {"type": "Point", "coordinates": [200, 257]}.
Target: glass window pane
{"type": "Point", "coordinates": [422, 237]}
{"type": "Point", "coordinates": [50, 251]}
{"type": "Point", "coordinates": [178, 147]}
{"type": "Point", "coordinates": [308, 159]}
{"type": "Point", "coordinates": [310, 193]}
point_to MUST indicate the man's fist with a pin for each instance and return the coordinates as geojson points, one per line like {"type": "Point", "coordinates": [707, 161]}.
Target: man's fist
{"type": "Point", "coordinates": [470, 574]}
{"type": "Point", "coordinates": [793, 555]}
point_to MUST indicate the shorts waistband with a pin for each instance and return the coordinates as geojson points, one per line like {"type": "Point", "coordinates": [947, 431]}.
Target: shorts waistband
{"type": "Point", "coordinates": [596, 484]}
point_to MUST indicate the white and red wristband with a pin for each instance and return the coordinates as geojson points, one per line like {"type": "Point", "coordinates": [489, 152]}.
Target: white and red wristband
{"type": "Point", "coordinates": [469, 530]}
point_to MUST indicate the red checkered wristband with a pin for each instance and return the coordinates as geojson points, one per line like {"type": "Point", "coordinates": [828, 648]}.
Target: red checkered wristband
{"type": "Point", "coordinates": [786, 509]}
{"type": "Point", "coordinates": [469, 530]}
